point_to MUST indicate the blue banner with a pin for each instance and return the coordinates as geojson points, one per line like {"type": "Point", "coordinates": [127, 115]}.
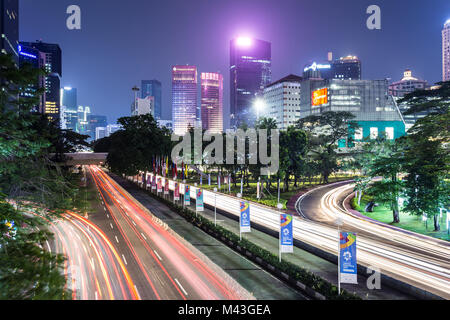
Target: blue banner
{"type": "Point", "coordinates": [187, 195]}
{"type": "Point", "coordinates": [347, 255]}
{"type": "Point", "coordinates": [286, 233]}
{"type": "Point", "coordinates": [245, 217]}
{"type": "Point", "coordinates": [199, 201]}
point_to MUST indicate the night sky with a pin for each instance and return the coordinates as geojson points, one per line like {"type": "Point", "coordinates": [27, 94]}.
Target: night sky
{"type": "Point", "coordinates": [123, 42]}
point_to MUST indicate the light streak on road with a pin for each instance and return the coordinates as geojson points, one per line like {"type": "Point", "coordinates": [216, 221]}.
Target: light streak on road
{"type": "Point", "coordinates": [93, 268]}
{"type": "Point", "coordinates": [162, 257]}
{"type": "Point", "coordinates": [423, 262]}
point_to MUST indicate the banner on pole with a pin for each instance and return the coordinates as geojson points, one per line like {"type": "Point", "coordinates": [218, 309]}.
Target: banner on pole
{"type": "Point", "coordinates": [187, 195]}
{"type": "Point", "coordinates": [199, 201]}
{"type": "Point", "coordinates": [347, 251]}
{"type": "Point", "coordinates": [159, 185]}
{"type": "Point", "coordinates": [176, 192]}
{"type": "Point", "coordinates": [245, 217]}
{"type": "Point", "coordinates": [166, 186]}
{"type": "Point", "coordinates": [153, 182]}
{"type": "Point", "coordinates": [286, 233]}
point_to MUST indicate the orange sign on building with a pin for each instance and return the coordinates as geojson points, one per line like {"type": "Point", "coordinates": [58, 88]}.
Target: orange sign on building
{"type": "Point", "coordinates": [319, 97]}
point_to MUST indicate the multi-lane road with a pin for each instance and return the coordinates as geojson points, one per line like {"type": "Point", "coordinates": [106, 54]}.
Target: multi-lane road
{"type": "Point", "coordinates": [127, 253]}
{"type": "Point", "coordinates": [423, 262]}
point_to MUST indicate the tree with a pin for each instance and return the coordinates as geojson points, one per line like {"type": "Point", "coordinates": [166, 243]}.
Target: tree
{"type": "Point", "coordinates": [324, 132]}
{"type": "Point", "coordinates": [134, 147]}
{"type": "Point", "coordinates": [388, 165]}
{"type": "Point", "coordinates": [426, 157]}
{"type": "Point", "coordinates": [27, 175]}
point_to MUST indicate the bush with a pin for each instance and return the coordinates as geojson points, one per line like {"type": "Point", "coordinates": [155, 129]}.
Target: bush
{"type": "Point", "coordinates": [354, 204]}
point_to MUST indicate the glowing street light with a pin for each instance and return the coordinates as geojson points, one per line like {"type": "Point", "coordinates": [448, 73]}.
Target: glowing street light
{"type": "Point", "coordinates": [259, 105]}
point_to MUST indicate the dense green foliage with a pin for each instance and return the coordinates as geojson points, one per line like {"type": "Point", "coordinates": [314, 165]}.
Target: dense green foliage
{"type": "Point", "coordinates": [32, 176]}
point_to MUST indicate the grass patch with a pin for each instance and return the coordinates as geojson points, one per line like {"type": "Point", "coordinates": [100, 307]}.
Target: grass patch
{"type": "Point", "coordinates": [408, 222]}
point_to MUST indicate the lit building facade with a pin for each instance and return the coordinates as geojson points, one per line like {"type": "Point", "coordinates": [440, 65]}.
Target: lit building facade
{"type": "Point", "coordinates": [406, 85]}
{"type": "Point", "coordinates": [446, 51]}
{"type": "Point", "coordinates": [184, 98]}
{"type": "Point", "coordinates": [83, 122]}
{"type": "Point", "coordinates": [32, 56]}
{"type": "Point", "coordinates": [53, 66]}
{"type": "Point", "coordinates": [282, 101]}
{"type": "Point", "coordinates": [347, 68]}
{"type": "Point", "coordinates": [95, 121]}
{"type": "Point", "coordinates": [9, 28]}
{"type": "Point", "coordinates": [143, 106]}
{"type": "Point", "coordinates": [212, 102]}
{"type": "Point", "coordinates": [153, 88]}
{"type": "Point", "coordinates": [250, 73]}
{"type": "Point", "coordinates": [69, 109]}
{"type": "Point", "coordinates": [375, 111]}
{"type": "Point", "coordinates": [165, 124]}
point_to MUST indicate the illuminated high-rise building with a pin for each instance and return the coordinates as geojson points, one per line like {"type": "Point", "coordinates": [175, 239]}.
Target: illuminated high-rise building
{"type": "Point", "coordinates": [69, 109]}
{"type": "Point", "coordinates": [346, 68]}
{"type": "Point", "coordinates": [212, 102]}
{"type": "Point", "coordinates": [9, 28]}
{"type": "Point", "coordinates": [446, 51]}
{"type": "Point", "coordinates": [53, 66]}
{"type": "Point", "coordinates": [184, 98]}
{"type": "Point", "coordinates": [250, 72]}
{"type": "Point", "coordinates": [152, 88]}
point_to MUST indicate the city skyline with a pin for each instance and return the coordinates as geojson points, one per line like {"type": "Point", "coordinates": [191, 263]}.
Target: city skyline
{"type": "Point", "coordinates": [211, 53]}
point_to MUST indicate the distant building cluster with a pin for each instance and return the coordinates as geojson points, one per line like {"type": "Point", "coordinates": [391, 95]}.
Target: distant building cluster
{"type": "Point", "coordinates": [197, 97]}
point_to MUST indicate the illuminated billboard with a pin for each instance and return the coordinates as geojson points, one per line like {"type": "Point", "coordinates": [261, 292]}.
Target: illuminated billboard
{"type": "Point", "coordinates": [319, 97]}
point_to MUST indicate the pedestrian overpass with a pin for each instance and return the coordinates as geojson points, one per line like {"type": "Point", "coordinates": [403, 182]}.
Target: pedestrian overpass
{"type": "Point", "coordinates": [85, 158]}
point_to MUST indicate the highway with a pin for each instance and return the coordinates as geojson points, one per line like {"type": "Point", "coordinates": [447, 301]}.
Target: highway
{"type": "Point", "coordinates": [94, 269]}
{"type": "Point", "coordinates": [161, 264]}
{"type": "Point", "coordinates": [421, 262]}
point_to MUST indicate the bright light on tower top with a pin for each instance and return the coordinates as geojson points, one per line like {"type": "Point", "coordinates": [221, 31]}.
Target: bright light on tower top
{"type": "Point", "coordinates": [447, 22]}
{"type": "Point", "coordinates": [244, 41]}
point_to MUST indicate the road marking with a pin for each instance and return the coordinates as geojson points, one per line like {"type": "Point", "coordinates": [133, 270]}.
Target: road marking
{"type": "Point", "coordinates": [124, 260]}
{"type": "Point", "coordinates": [111, 225]}
{"type": "Point", "coordinates": [143, 236]}
{"type": "Point", "coordinates": [117, 239]}
{"type": "Point", "coordinates": [181, 287]}
{"type": "Point", "coordinates": [107, 215]}
{"type": "Point", "coordinates": [104, 208]}
{"type": "Point", "coordinates": [159, 257]}
{"type": "Point", "coordinates": [133, 223]}
{"type": "Point", "coordinates": [139, 296]}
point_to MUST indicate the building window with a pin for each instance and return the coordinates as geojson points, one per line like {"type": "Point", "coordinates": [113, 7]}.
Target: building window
{"type": "Point", "coordinates": [358, 133]}
{"type": "Point", "coordinates": [389, 133]}
{"type": "Point", "coordinates": [373, 132]}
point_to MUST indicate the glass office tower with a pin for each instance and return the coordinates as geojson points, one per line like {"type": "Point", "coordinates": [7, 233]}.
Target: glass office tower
{"type": "Point", "coordinates": [152, 88]}
{"type": "Point", "coordinates": [212, 102]}
{"type": "Point", "coordinates": [184, 98]}
{"type": "Point", "coordinates": [250, 72]}
{"type": "Point", "coordinates": [69, 102]}
{"type": "Point", "coordinates": [53, 81]}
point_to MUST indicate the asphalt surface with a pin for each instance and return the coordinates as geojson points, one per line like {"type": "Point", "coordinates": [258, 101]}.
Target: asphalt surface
{"type": "Point", "coordinates": [161, 266]}
{"type": "Point", "coordinates": [416, 259]}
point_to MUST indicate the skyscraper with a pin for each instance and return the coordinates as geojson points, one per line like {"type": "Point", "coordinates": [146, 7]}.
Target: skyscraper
{"type": "Point", "coordinates": [37, 59]}
{"type": "Point", "coordinates": [184, 98]}
{"type": "Point", "coordinates": [95, 121]}
{"type": "Point", "coordinates": [282, 101]}
{"type": "Point", "coordinates": [143, 106]}
{"type": "Point", "coordinates": [52, 82]}
{"type": "Point", "coordinates": [212, 102]}
{"type": "Point", "coordinates": [152, 88]}
{"type": "Point", "coordinates": [69, 109]}
{"type": "Point", "coordinates": [446, 51]}
{"type": "Point", "coordinates": [250, 72]}
{"type": "Point", "coordinates": [347, 68]}
{"type": "Point", "coordinates": [9, 28]}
